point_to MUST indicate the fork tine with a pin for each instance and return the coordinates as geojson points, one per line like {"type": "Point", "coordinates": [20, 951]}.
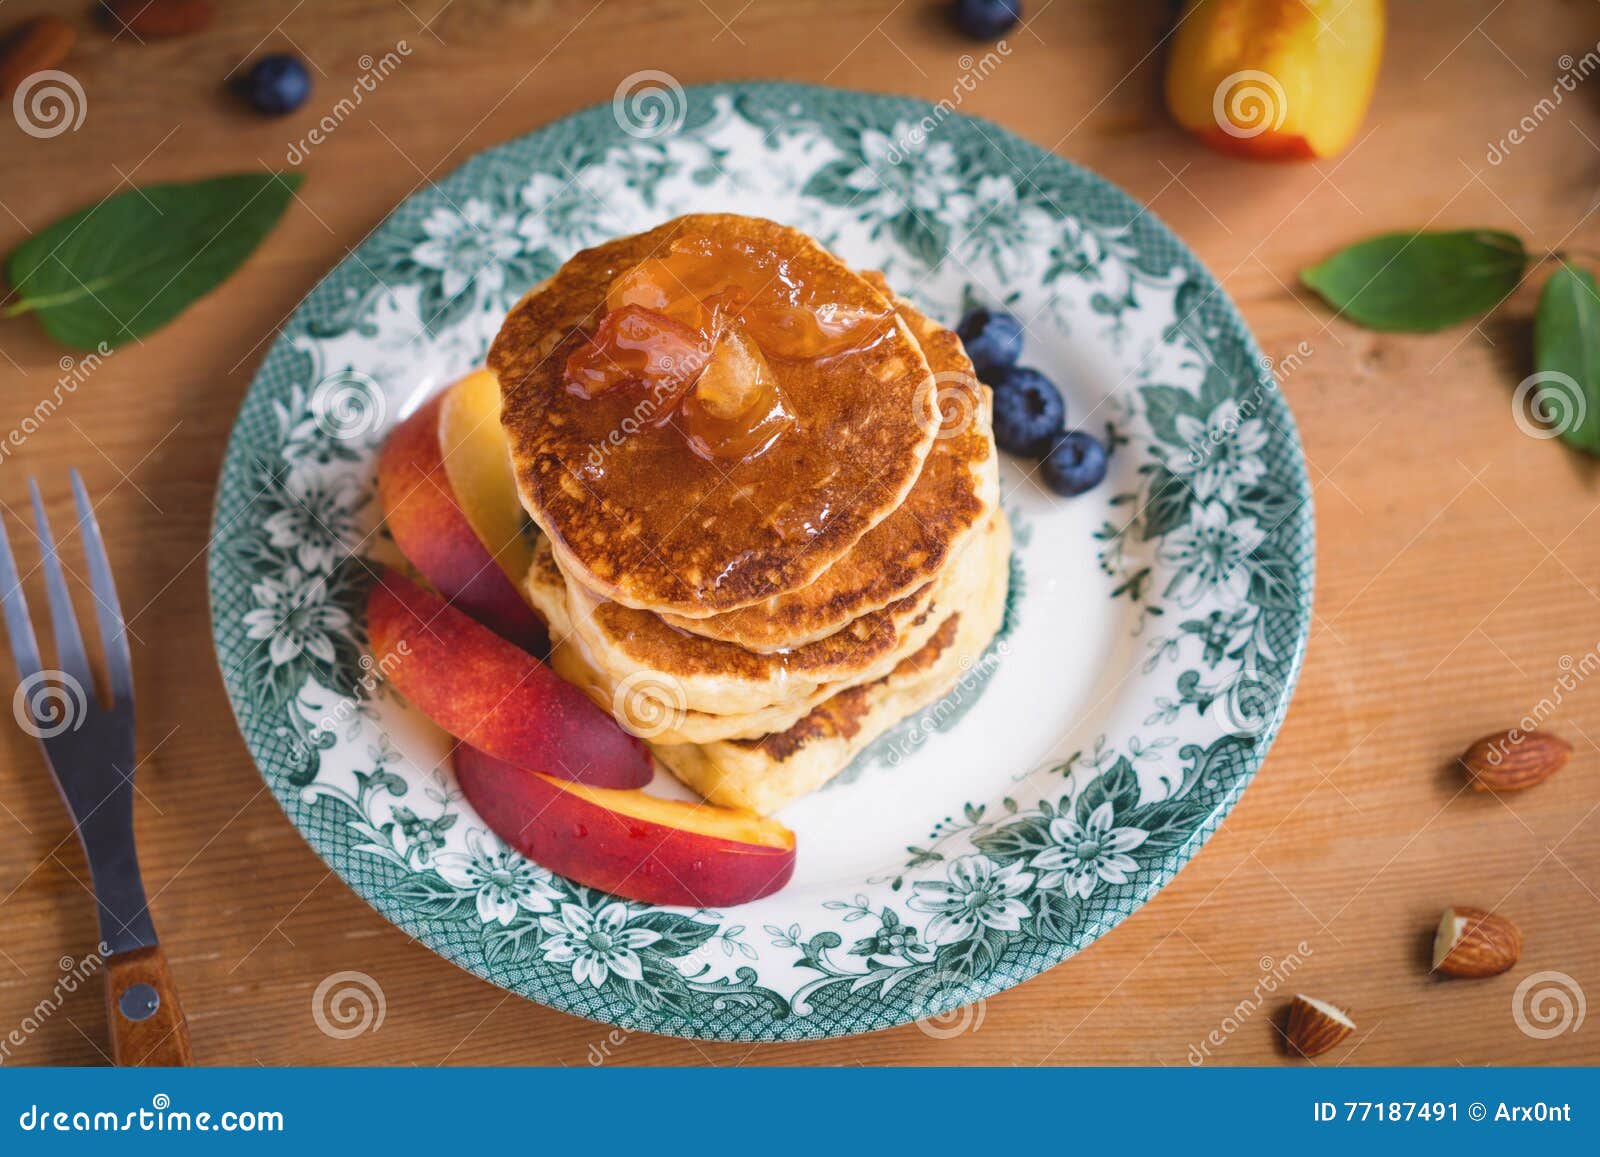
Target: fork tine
{"type": "Point", "coordinates": [108, 608]}
{"type": "Point", "coordinates": [63, 619]}
{"type": "Point", "coordinates": [19, 628]}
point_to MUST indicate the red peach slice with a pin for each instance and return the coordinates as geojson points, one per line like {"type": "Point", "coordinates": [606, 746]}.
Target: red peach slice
{"type": "Point", "coordinates": [493, 694]}
{"type": "Point", "coordinates": [638, 846]}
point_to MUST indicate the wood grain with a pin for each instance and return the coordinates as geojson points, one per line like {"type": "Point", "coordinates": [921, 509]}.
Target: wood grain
{"type": "Point", "coordinates": [143, 1013]}
{"type": "Point", "coordinates": [1457, 558]}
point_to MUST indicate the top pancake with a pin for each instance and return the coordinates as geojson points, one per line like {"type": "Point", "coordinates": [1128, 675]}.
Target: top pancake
{"type": "Point", "coordinates": [958, 486]}
{"type": "Point", "coordinates": [640, 517]}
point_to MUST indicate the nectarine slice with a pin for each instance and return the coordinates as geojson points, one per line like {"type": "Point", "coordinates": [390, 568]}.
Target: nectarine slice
{"type": "Point", "coordinates": [478, 465]}
{"type": "Point", "coordinates": [641, 847]}
{"type": "Point", "coordinates": [483, 689]}
{"type": "Point", "coordinates": [432, 531]}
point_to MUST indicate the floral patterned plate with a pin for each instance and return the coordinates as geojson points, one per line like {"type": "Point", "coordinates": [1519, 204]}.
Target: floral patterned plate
{"type": "Point", "coordinates": [1152, 639]}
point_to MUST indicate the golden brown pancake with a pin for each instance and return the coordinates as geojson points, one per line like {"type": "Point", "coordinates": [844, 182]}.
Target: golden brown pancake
{"type": "Point", "coordinates": [652, 705]}
{"type": "Point", "coordinates": [644, 520]}
{"type": "Point", "coordinates": [957, 488]}
{"type": "Point", "coordinates": [766, 773]}
{"type": "Point", "coordinates": [651, 711]}
{"type": "Point", "coordinates": [631, 649]}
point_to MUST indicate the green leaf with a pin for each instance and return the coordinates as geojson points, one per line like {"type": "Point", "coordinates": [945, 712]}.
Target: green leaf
{"type": "Point", "coordinates": [680, 935]}
{"type": "Point", "coordinates": [509, 943]}
{"type": "Point", "coordinates": [1163, 405]}
{"type": "Point", "coordinates": [1272, 579]}
{"type": "Point", "coordinates": [1566, 354]}
{"type": "Point", "coordinates": [135, 261]}
{"type": "Point", "coordinates": [924, 238]}
{"type": "Point", "coordinates": [1168, 504]}
{"type": "Point", "coordinates": [972, 958]}
{"type": "Point", "coordinates": [831, 183]}
{"type": "Point", "coordinates": [430, 896]}
{"type": "Point", "coordinates": [1420, 282]}
{"type": "Point", "coordinates": [1058, 916]}
{"type": "Point", "coordinates": [1017, 840]}
{"type": "Point", "coordinates": [1118, 785]}
{"type": "Point", "coordinates": [1168, 824]}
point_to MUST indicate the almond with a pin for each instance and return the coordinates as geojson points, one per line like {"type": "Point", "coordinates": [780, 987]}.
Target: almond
{"type": "Point", "coordinates": [1471, 942]}
{"type": "Point", "coordinates": [159, 19]}
{"type": "Point", "coordinates": [1514, 760]}
{"type": "Point", "coordinates": [1315, 1026]}
{"type": "Point", "coordinates": [33, 46]}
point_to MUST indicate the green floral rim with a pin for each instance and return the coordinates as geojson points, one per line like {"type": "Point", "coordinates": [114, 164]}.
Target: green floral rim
{"type": "Point", "coordinates": [1203, 541]}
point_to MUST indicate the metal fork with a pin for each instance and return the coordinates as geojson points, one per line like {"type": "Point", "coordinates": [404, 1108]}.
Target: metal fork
{"type": "Point", "coordinates": [89, 747]}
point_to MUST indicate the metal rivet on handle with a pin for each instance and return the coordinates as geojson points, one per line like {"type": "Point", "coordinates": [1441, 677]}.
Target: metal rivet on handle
{"type": "Point", "coordinates": [139, 1002]}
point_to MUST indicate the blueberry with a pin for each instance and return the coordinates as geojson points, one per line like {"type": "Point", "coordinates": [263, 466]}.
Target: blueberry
{"type": "Point", "coordinates": [992, 339]}
{"type": "Point", "coordinates": [986, 19]}
{"type": "Point", "coordinates": [277, 84]}
{"type": "Point", "coordinates": [1028, 410]}
{"type": "Point", "coordinates": [1076, 463]}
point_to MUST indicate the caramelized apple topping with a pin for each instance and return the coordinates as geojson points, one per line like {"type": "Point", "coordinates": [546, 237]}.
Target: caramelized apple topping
{"type": "Point", "coordinates": [640, 345]}
{"type": "Point", "coordinates": [759, 289]}
{"type": "Point", "coordinates": [736, 410]}
{"type": "Point", "coordinates": [696, 327]}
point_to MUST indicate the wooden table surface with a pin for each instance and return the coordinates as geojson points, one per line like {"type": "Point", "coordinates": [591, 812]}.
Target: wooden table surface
{"type": "Point", "coordinates": [1458, 560]}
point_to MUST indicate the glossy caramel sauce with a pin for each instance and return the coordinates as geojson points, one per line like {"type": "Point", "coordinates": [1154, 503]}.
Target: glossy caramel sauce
{"type": "Point", "coordinates": [956, 488]}
{"type": "Point", "coordinates": [643, 347]}
{"type": "Point", "coordinates": [699, 474]}
{"type": "Point", "coordinates": [762, 290]}
{"type": "Point", "coordinates": [692, 329]}
{"type": "Point", "coordinates": [736, 409]}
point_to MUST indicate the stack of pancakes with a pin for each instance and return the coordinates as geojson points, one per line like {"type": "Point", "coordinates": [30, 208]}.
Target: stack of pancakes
{"type": "Point", "coordinates": [759, 621]}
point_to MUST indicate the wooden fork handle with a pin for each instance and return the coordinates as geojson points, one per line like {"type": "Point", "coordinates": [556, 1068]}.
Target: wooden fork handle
{"type": "Point", "coordinates": [147, 1022]}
